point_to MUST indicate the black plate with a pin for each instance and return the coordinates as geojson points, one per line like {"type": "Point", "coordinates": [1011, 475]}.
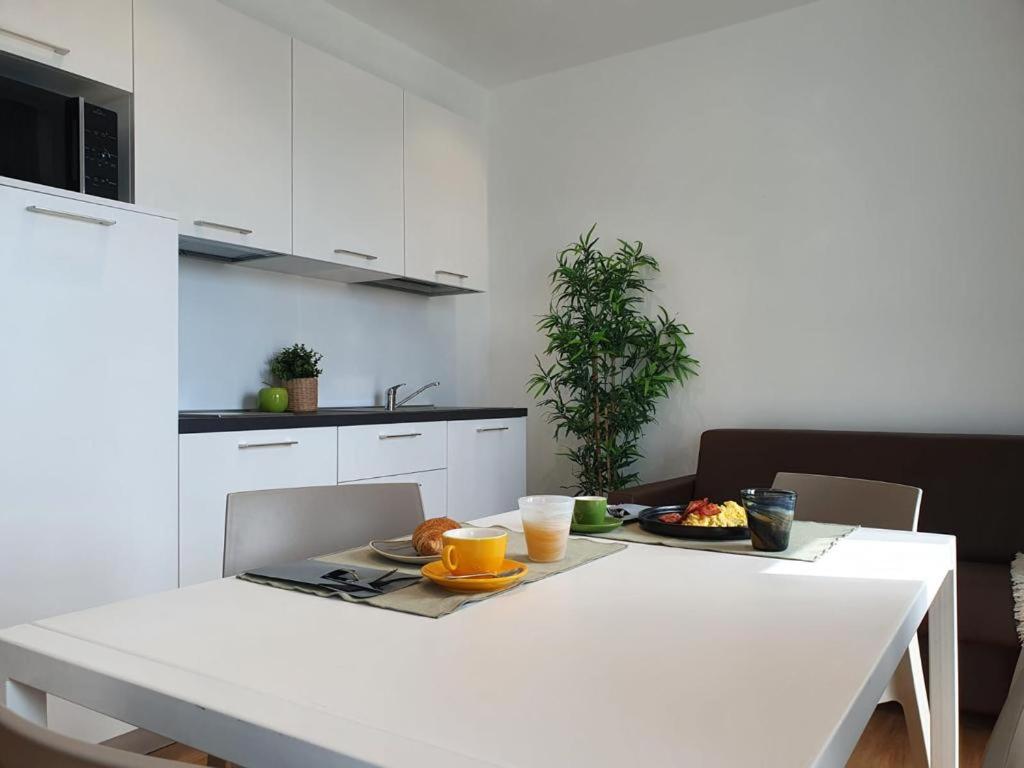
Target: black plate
{"type": "Point", "coordinates": [649, 522]}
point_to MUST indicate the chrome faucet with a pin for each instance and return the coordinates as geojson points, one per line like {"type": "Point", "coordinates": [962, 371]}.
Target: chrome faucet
{"type": "Point", "coordinates": [392, 395]}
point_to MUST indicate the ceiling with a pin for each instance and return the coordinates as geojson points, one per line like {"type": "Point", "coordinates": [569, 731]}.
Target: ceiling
{"type": "Point", "coordinates": [495, 42]}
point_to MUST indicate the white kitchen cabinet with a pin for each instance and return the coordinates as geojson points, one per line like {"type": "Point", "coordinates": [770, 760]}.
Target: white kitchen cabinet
{"type": "Point", "coordinates": [212, 465]}
{"type": "Point", "coordinates": [88, 462]}
{"type": "Point", "coordinates": [380, 450]}
{"type": "Point", "coordinates": [213, 122]}
{"type": "Point", "coordinates": [465, 469]}
{"type": "Point", "coordinates": [445, 197]}
{"type": "Point", "coordinates": [91, 38]}
{"type": "Point", "coordinates": [486, 467]}
{"type": "Point", "coordinates": [433, 489]}
{"type": "Point", "coordinates": [347, 171]}
{"type": "Point", "coordinates": [88, 294]}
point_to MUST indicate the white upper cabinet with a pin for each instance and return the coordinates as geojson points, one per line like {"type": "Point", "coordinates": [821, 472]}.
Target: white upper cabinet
{"type": "Point", "coordinates": [445, 197]}
{"type": "Point", "coordinates": [213, 122]}
{"type": "Point", "coordinates": [347, 171]}
{"type": "Point", "coordinates": [91, 38]}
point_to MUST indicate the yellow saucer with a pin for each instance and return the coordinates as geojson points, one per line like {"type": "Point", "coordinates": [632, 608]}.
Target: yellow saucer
{"type": "Point", "coordinates": [437, 573]}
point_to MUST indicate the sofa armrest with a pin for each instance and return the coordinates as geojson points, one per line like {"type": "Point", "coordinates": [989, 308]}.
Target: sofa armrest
{"type": "Point", "coordinates": [678, 490]}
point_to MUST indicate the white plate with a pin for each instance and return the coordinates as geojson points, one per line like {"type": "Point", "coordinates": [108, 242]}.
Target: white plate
{"type": "Point", "coordinates": [401, 550]}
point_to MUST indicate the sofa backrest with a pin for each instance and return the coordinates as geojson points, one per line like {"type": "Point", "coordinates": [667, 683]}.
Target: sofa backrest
{"type": "Point", "coordinates": [969, 481]}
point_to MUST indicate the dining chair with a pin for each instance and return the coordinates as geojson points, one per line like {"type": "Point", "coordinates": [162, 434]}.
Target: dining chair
{"type": "Point", "coordinates": [23, 743]}
{"type": "Point", "coordinates": [278, 526]}
{"type": "Point", "coordinates": [873, 504]}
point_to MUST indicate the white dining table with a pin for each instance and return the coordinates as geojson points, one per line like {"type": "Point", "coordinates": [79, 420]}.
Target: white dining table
{"type": "Point", "coordinates": [651, 656]}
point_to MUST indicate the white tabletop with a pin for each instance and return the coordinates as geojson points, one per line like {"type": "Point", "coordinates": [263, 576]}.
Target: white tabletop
{"type": "Point", "coordinates": [663, 655]}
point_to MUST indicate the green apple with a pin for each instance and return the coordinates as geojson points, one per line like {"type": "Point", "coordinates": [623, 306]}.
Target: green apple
{"type": "Point", "coordinates": [273, 399]}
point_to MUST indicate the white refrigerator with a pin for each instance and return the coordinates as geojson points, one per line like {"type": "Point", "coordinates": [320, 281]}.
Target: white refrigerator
{"type": "Point", "coordinates": [88, 405]}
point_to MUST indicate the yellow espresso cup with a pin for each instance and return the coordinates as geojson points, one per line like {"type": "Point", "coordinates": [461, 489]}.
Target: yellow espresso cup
{"type": "Point", "coordinates": [474, 550]}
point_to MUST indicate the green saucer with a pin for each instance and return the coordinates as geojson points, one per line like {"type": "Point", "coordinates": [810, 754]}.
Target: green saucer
{"type": "Point", "coordinates": [610, 524]}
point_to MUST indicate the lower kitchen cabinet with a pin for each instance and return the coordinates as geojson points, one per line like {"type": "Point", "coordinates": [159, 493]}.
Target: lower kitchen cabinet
{"type": "Point", "coordinates": [212, 465]}
{"type": "Point", "coordinates": [486, 467]}
{"type": "Point", "coordinates": [383, 450]}
{"type": "Point", "coordinates": [465, 469]}
{"type": "Point", "coordinates": [433, 489]}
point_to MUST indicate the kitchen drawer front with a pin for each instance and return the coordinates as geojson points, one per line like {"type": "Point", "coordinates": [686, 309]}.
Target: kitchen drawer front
{"type": "Point", "coordinates": [212, 465]}
{"type": "Point", "coordinates": [381, 450]}
{"type": "Point", "coordinates": [486, 467]}
{"type": "Point", "coordinates": [433, 489]}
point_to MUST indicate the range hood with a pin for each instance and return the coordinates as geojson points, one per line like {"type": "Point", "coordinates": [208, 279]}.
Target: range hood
{"type": "Point", "coordinates": [422, 287]}
{"type": "Point", "coordinates": [302, 266]}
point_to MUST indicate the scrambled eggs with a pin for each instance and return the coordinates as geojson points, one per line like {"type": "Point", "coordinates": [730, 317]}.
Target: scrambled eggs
{"type": "Point", "coordinates": [729, 514]}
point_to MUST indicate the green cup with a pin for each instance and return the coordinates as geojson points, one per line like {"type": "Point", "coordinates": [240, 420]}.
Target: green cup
{"type": "Point", "coordinates": [590, 510]}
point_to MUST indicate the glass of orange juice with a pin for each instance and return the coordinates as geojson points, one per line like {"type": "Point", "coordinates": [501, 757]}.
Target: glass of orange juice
{"type": "Point", "coordinates": [546, 521]}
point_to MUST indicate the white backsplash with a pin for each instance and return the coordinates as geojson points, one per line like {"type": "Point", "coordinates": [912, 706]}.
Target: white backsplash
{"type": "Point", "coordinates": [233, 319]}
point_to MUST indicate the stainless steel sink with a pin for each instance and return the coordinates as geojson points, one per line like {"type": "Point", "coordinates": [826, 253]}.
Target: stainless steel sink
{"type": "Point", "coordinates": [339, 409]}
{"type": "Point", "coordinates": [374, 409]}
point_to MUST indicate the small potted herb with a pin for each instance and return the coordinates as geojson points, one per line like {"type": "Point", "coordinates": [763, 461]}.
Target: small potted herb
{"type": "Point", "coordinates": [298, 368]}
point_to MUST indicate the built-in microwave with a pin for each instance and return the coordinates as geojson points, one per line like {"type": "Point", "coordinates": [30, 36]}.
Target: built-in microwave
{"type": "Point", "coordinates": [60, 141]}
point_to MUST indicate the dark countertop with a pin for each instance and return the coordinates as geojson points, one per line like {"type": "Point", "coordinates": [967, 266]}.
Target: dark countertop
{"type": "Point", "coordinates": [191, 422]}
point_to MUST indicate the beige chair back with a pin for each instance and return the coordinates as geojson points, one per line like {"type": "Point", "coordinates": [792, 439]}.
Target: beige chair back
{"type": "Point", "coordinates": [24, 744]}
{"type": "Point", "coordinates": [267, 527]}
{"type": "Point", "coordinates": [869, 503]}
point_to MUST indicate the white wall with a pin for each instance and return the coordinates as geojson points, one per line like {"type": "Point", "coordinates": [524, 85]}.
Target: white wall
{"type": "Point", "coordinates": [233, 319]}
{"type": "Point", "coordinates": [836, 194]}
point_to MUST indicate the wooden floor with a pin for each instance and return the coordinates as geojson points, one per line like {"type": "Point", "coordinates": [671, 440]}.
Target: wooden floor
{"type": "Point", "coordinates": [883, 745]}
{"type": "Point", "coordinates": [182, 754]}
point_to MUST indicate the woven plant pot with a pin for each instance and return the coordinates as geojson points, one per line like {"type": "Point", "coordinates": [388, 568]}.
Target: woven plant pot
{"type": "Point", "coordinates": [302, 395]}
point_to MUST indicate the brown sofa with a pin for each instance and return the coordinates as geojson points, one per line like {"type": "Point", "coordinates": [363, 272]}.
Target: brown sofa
{"type": "Point", "coordinates": [969, 484]}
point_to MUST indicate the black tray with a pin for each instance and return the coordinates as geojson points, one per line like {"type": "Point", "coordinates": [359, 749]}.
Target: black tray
{"type": "Point", "coordinates": [649, 522]}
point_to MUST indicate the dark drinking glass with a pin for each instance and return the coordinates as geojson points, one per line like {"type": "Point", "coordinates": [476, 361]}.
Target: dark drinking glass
{"type": "Point", "coordinates": [769, 517]}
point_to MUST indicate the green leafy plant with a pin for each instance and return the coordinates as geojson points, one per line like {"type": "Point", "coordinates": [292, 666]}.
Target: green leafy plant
{"type": "Point", "coordinates": [296, 362]}
{"type": "Point", "coordinates": [608, 362]}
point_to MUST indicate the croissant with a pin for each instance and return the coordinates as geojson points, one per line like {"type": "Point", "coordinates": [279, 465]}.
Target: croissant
{"type": "Point", "coordinates": [426, 539]}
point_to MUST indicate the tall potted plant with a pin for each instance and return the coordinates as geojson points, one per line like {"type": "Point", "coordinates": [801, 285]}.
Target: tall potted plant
{"type": "Point", "coordinates": [298, 368]}
{"type": "Point", "coordinates": [608, 363]}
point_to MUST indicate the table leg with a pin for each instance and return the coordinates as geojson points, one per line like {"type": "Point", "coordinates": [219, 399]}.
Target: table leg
{"type": "Point", "coordinates": [943, 675]}
{"type": "Point", "coordinates": [26, 701]}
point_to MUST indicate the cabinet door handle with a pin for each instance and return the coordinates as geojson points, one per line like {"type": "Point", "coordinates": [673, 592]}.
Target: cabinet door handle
{"type": "Point", "coordinates": [272, 444]}
{"type": "Point", "coordinates": [403, 434]}
{"type": "Point", "coordinates": [60, 50]}
{"type": "Point", "coordinates": [345, 252]}
{"type": "Point", "coordinates": [451, 274]}
{"type": "Point", "coordinates": [227, 227]}
{"type": "Point", "coordinates": [71, 216]}
{"type": "Point", "coordinates": [492, 429]}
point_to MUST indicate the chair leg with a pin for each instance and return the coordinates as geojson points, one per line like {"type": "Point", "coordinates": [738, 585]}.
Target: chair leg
{"type": "Point", "coordinates": [908, 689]}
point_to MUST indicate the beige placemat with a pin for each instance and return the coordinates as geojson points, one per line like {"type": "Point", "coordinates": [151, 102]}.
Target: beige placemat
{"type": "Point", "coordinates": [424, 598]}
{"type": "Point", "coordinates": [807, 541]}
